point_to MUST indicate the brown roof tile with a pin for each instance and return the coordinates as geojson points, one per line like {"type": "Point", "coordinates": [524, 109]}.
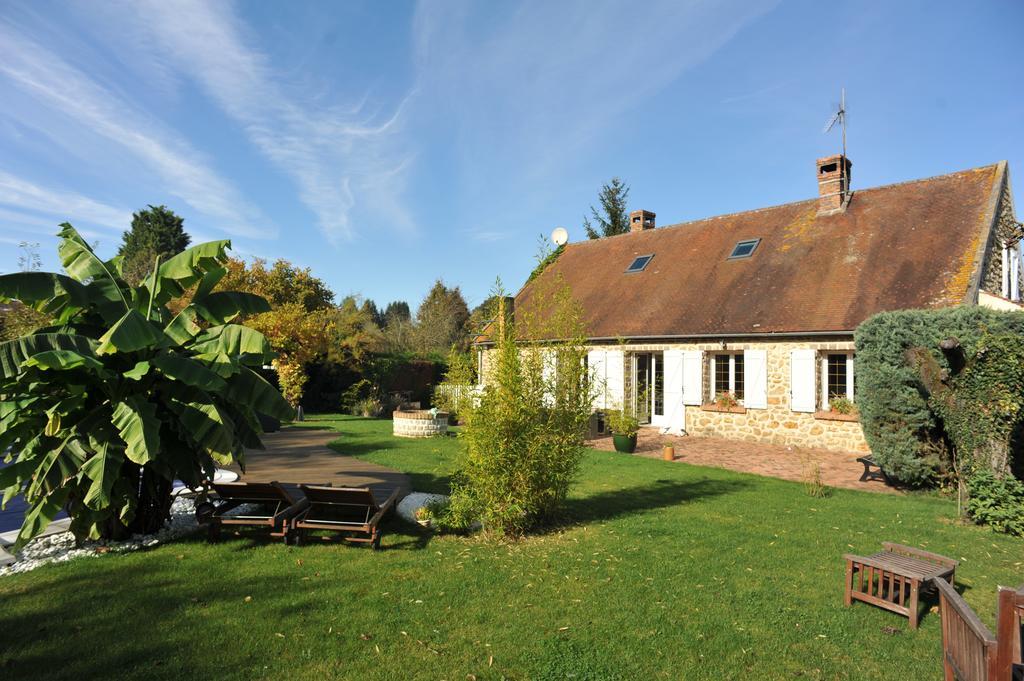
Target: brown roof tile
{"type": "Point", "coordinates": [909, 245]}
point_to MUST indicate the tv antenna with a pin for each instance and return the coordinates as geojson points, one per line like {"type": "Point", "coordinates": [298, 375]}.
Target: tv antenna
{"type": "Point", "coordinates": [840, 118]}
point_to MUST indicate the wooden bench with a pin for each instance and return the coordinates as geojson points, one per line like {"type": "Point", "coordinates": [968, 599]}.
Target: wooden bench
{"type": "Point", "coordinates": [872, 471]}
{"type": "Point", "coordinates": [893, 577]}
{"type": "Point", "coordinates": [969, 650]}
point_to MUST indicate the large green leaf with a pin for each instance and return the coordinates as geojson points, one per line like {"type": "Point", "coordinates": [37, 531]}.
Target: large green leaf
{"type": "Point", "coordinates": [131, 333]}
{"type": "Point", "coordinates": [43, 291]}
{"type": "Point", "coordinates": [223, 306]}
{"type": "Point", "coordinates": [209, 280]}
{"type": "Point", "coordinates": [103, 469]}
{"type": "Point", "coordinates": [40, 515]}
{"type": "Point", "coordinates": [63, 360]}
{"type": "Point", "coordinates": [221, 364]}
{"type": "Point", "coordinates": [189, 371]}
{"type": "Point", "coordinates": [187, 268]}
{"type": "Point", "coordinates": [235, 340]}
{"type": "Point", "coordinates": [183, 327]}
{"type": "Point", "coordinates": [206, 426]}
{"type": "Point", "coordinates": [14, 352]}
{"type": "Point", "coordinates": [137, 423]}
{"type": "Point", "coordinates": [85, 266]}
{"type": "Point", "coordinates": [249, 388]}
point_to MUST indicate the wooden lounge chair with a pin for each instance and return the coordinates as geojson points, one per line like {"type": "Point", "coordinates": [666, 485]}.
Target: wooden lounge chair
{"type": "Point", "coordinates": [270, 505]}
{"type": "Point", "coordinates": [893, 577]}
{"type": "Point", "coordinates": [351, 510]}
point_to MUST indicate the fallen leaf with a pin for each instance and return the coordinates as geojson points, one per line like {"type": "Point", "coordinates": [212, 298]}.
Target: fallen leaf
{"type": "Point", "coordinates": [247, 599]}
{"type": "Point", "coordinates": [365, 637]}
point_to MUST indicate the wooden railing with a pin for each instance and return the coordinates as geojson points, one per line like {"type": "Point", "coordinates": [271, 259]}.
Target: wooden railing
{"type": "Point", "coordinates": [969, 650]}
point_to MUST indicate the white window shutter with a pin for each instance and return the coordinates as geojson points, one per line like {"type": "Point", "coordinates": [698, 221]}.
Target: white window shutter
{"type": "Point", "coordinates": [755, 379]}
{"type": "Point", "coordinates": [615, 379]}
{"type": "Point", "coordinates": [801, 380]}
{"type": "Point", "coordinates": [693, 376]}
{"type": "Point", "coordinates": [673, 373]}
{"type": "Point", "coordinates": [549, 369]}
{"type": "Point", "coordinates": [598, 377]}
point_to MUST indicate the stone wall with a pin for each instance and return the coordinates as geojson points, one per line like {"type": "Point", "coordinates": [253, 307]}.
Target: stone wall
{"type": "Point", "coordinates": [1007, 231]}
{"type": "Point", "coordinates": [776, 424]}
{"type": "Point", "coordinates": [419, 423]}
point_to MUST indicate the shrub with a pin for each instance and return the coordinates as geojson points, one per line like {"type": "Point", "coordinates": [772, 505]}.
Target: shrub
{"type": "Point", "coordinates": [523, 440]}
{"type": "Point", "coordinates": [623, 422]}
{"type": "Point", "coordinates": [106, 408]}
{"type": "Point", "coordinates": [905, 435]}
{"type": "Point", "coordinates": [996, 501]}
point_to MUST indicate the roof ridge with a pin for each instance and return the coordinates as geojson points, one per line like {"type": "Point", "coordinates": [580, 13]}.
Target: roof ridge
{"type": "Point", "coordinates": [793, 203]}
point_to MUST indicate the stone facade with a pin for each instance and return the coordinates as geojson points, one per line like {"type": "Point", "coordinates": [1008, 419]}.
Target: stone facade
{"type": "Point", "coordinates": [1007, 231]}
{"type": "Point", "coordinates": [777, 423]}
{"type": "Point", "coordinates": [418, 423]}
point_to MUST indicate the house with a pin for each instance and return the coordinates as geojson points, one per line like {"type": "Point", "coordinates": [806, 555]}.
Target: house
{"type": "Point", "coordinates": [763, 304]}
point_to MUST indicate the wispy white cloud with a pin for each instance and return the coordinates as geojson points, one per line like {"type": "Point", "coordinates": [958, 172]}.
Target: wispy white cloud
{"type": "Point", "coordinates": [26, 197]}
{"type": "Point", "coordinates": [87, 103]}
{"type": "Point", "coordinates": [336, 155]}
{"type": "Point", "coordinates": [531, 90]}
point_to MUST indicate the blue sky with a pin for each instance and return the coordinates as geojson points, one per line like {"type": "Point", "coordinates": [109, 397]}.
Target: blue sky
{"type": "Point", "coordinates": [388, 144]}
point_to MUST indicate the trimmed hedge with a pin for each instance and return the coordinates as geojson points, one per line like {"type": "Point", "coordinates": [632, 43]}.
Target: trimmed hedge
{"type": "Point", "coordinates": [905, 436]}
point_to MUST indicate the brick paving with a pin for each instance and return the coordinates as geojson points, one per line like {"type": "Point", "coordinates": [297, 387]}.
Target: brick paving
{"type": "Point", "coordinates": [838, 469]}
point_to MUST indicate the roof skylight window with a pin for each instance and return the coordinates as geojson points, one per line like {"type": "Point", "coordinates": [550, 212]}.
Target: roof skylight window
{"type": "Point", "coordinates": [639, 263]}
{"type": "Point", "coordinates": [744, 249]}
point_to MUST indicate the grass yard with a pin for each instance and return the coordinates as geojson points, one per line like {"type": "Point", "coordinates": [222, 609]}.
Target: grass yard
{"type": "Point", "coordinates": [660, 570]}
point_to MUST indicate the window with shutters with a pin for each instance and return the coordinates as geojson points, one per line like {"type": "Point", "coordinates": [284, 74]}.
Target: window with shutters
{"type": "Point", "coordinates": [727, 375]}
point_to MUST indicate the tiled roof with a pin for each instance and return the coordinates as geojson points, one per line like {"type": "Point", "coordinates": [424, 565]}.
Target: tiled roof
{"type": "Point", "coordinates": [911, 245]}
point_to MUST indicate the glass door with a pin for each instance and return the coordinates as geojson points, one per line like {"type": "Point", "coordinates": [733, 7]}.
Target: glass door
{"type": "Point", "coordinates": [642, 387]}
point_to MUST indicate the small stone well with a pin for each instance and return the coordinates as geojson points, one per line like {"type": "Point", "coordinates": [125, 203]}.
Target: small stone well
{"type": "Point", "coordinates": [419, 423]}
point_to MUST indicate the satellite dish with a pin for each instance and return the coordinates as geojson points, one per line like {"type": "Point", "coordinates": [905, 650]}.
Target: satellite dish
{"type": "Point", "coordinates": [560, 236]}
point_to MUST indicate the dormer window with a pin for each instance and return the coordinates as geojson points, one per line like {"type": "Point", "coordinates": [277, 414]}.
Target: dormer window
{"type": "Point", "coordinates": [639, 263]}
{"type": "Point", "coordinates": [744, 249]}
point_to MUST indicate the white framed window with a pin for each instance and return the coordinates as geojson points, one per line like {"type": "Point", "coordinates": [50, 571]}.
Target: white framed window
{"type": "Point", "coordinates": [836, 377]}
{"type": "Point", "coordinates": [727, 376]}
{"type": "Point", "coordinates": [1011, 260]}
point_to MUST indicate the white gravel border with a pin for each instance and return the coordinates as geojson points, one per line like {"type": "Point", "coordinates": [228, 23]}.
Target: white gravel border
{"type": "Point", "coordinates": [60, 547]}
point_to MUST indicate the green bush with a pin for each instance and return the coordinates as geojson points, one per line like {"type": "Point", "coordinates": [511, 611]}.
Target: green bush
{"type": "Point", "coordinates": [996, 501]}
{"type": "Point", "coordinates": [523, 439]}
{"type": "Point", "coordinates": [904, 434]}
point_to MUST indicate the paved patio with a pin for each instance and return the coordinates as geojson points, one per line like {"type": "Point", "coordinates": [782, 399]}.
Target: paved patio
{"type": "Point", "coordinates": [301, 455]}
{"type": "Point", "coordinates": [838, 469]}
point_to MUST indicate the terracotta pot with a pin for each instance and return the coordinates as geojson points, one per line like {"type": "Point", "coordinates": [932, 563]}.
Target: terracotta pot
{"type": "Point", "coordinates": [624, 443]}
{"type": "Point", "coordinates": [668, 452]}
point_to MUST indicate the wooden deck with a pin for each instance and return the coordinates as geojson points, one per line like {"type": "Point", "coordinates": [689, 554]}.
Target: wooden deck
{"type": "Point", "coordinates": [301, 455]}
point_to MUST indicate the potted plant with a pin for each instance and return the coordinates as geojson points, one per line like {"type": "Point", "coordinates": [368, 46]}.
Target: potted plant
{"type": "Point", "coordinates": [424, 516]}
{"type": "Point", "coordinates": [842, 405]}
{"type": "Point", "coordinates": [726, 401]}
{"type": "Point", "coordinates": [624, 426]}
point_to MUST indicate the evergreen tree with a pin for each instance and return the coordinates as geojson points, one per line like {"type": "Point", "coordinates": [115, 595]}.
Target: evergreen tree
{"type": "Point", "coordinates": [369, 309]}
{"type": "Point", "coordinates": [397, 310]}
{"type": "Point", "coordinates": [612, 219]}
{"type": "Point", "coordinates": [441, 320]}
{"type": "Point", "coordinates": [156, 231]}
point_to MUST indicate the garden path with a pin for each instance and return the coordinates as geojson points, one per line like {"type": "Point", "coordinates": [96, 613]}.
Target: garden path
{"type": "Point", "coordinates": [301, 455]}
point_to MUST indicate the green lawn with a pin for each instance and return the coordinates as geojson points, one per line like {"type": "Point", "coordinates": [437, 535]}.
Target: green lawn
{"type": "Point", "coordinates": [659, 570]}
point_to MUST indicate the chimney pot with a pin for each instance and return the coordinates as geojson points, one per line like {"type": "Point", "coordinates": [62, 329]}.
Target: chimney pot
{"type": "Point", "coordinates": [833, 183]}
{"type": "Point", "coordinates": [639, 220]}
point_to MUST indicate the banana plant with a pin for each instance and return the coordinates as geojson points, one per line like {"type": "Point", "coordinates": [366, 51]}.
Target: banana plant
{"type": "Point", "coordinates": [119, 396]}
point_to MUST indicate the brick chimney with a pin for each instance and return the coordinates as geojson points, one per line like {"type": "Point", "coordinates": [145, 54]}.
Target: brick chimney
{"type": "Point", "coordinates": [833, 183]}
{"type": "Point", "coordinates": [639, 220]}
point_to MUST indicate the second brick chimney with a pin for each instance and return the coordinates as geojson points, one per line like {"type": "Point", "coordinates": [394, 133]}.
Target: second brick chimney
{"type": "Point", "coordinates": [639, 220]}
{"type": "Point", "coordinates": [833, 183]}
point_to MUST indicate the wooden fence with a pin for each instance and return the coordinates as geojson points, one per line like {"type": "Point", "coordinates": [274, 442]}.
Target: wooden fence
{"type": "Point", "coordinates": [970, 652]}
